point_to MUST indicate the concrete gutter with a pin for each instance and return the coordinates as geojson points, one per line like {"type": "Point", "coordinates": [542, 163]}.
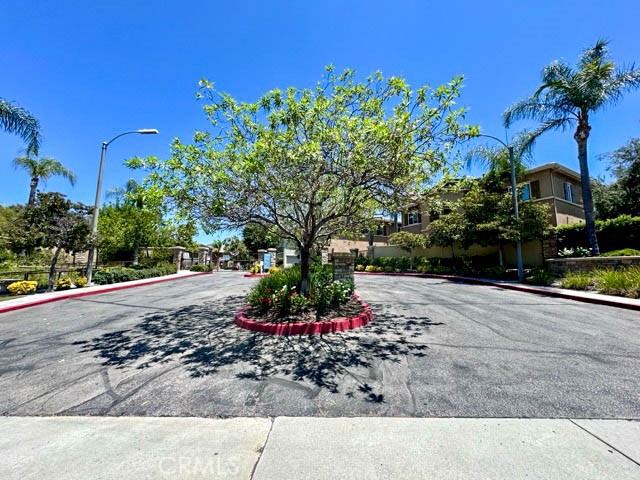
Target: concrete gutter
{"type": "Point", "coordinates": [42, 298]}
{"type": "Point", "coordinates": [580, 296]}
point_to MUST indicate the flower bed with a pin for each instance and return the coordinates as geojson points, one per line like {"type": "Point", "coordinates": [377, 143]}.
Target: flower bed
{"type": "Point", "coordinates": [308, 327]}
{"type": "Point", "coordinates": [275, 305]}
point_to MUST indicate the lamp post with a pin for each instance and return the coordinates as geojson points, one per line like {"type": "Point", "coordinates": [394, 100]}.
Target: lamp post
{"type": "Point", "coordinates": [514, 198]}
{"type": "Point", "coordinates": [96, 206]}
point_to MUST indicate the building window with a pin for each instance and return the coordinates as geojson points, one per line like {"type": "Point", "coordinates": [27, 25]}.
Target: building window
{"type": "Point", "coordinates": [526, 192]}
{"type": "Point", "coordinates": [433, 216]}
{"type": "Point", "coordinates": [412, 217]}
{"type": "Point", "coordinates": [568, 192]}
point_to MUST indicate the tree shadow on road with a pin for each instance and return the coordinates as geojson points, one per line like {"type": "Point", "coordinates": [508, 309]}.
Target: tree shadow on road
{"type": "Point", "coordinates": [205, 339]}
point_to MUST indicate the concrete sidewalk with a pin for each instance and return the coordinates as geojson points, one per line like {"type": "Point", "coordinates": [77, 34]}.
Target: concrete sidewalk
{"type": "Point", "coordinates": [41, 298]}
{"type": "Point", "coordinates": [317, 448]}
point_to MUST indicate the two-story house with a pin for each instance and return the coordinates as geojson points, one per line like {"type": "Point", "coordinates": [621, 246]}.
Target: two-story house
{"type": "Point", "coordinates": [550, 183]}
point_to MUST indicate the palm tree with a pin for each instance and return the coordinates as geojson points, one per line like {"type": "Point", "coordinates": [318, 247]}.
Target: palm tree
{"type": "Point", "coordinates": [495, 158]}
{"type": "Point", "coordinates": [42, 169]}
{"type": "Point", "coordinates": [132, 193]}
{"type": "Point", "coordinates": [15, 119]}
{"type": "Point", "coordinates": [566, 98]}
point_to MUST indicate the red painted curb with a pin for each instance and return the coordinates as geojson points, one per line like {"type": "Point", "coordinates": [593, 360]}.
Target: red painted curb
{"type": "Point", "coordinates": [305, 328]}
{"type": "Point", "coordinates": [511, 286]}
{"type": "Point", "coordinates": [88, 292]}
{"type": "Point", "coordinates": [249, 275]}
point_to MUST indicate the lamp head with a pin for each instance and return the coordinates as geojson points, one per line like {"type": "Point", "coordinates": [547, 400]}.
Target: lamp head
{"type": "Point", "coordinates": [148, 131]}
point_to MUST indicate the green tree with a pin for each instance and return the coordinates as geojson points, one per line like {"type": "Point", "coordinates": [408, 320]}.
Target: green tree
{"type": "Point", "coordinates": [42, 169]}
{"type": "Point", "coordinates": [621, 197]}
{"type": "Point", "coordinates": [256, 237]}
{"type": "Point", "coordinates": [237, 248]}
{"type": "Point", "coordinates": [447, 231]}
{"type": "Point", "coordinates": [408, 241]}
{"type": "Point", "coordinates": [133, 220]}
{"type": "Point", "coordinates": [566, 98]}
{"type": "Point", "coordinates": [53, 222]}
{"type": "Point", "coordinates": [15, 119]}
{"type": "Point", "coordinates": [311, 163]}
{"type": "Point", "coordinates": [9, 215]}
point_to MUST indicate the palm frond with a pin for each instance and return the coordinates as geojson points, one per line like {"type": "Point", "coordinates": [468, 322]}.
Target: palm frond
{"type": "Point", "coordinates": [623, 80]}
{"type": "Point", "coordinates": [599, 53]}
{"type": "Point", "coordinates": [44, 168]}
{"type": "Point", "coordinates": [542, 109]}
{"type": "Point", "coordinates": [15, 119]}
{"type": "Point", "coordinates": [26, 163]}
{"type": "Point", "coordinates": [523, 147]}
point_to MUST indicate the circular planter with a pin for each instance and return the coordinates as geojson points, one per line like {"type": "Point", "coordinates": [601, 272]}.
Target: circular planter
{"type": "Point", "coordinates": [306, 328]}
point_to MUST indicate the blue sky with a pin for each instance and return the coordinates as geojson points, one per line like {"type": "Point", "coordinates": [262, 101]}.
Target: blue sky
{"type": "Point", "coordinates": [91, 70]}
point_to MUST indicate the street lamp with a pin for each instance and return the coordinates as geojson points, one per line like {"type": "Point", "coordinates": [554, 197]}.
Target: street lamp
{"type": "Point", "coordinates": [96, 206]}
{"type": "Point", "coordinates": [514, 197]}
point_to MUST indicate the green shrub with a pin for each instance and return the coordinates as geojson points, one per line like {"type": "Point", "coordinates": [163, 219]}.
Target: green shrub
{"type": "Point", "coordinates": [360, 260]}
{"type": "Point", "coordinates": [614, 234]}
{"type": "Point", "coordinates": [540, 276]}
{"type": "Point", "coordinates": [200, 268]}
{"type": "Point", "coordinates": [493, 272]}
{"type": "Point", "coordinates": [22, 288]}
{"type": "Point", "coordinates": [359, 268]}
{"type": "Point", "coordinates": [371, 268]}
{"type": "Point", "coordinates": [403, 264]}
{"type": "Point", "coordinates": [625, 252]}
{"type": "Point", "coordinates": [389, 269]}
{"type": "Point", "coordinates": [125, 274]}
{"type": "Point", "coordinates": [577, 280]}
{"type": "Point", "coordinates": [80, 282]}
{"type": "Point", "coordinates": [441, 270]}
{"type": "Point", "coordinates": [277, 292]}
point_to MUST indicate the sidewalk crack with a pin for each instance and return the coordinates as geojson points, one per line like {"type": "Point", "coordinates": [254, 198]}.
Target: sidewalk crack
{"type": "Point", "coordinates": [253, 470]}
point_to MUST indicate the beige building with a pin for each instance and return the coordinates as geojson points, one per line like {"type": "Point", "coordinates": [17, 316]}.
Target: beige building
{"type": "Point", "coordinates": [551, 183]}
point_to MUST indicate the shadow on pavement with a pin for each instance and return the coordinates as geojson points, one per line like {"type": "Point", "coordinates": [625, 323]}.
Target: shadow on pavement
{"type": "Point", "coordinates": [204, 339]}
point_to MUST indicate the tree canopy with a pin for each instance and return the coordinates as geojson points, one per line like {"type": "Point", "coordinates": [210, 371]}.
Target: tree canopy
{"type": "Point", "coordinates": [256, 236]}
{"type": "Point", "coordinates": [311, 163]}
{"type": "Point", "coordinates": [52, 222]}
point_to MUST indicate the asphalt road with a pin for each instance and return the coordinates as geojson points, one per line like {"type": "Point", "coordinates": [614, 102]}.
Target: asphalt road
{"type": "Point", "coordinates": [434, 348]}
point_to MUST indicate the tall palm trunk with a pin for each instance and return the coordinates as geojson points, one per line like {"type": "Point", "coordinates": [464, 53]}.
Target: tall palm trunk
{"type": "Point", "coordinates": [581, 136]}
{"type": "Point", "coordinates": [33, 187]}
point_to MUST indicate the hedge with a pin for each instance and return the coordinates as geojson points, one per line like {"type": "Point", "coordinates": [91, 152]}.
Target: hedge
{"type": "Point", "coordinates": [123, 274]}
{"type": "Point", "coordinates": [615, 234]}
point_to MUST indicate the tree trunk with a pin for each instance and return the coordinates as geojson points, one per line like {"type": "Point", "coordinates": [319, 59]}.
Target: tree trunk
{"type": "Point", "coordinates": [411, 261]}
{"type": "Point", "coordinates": [453, 252]}
{"type": "Point", "coordinates": [52, 269]}
{"type": "Point", "coordinates": [33, 187]}
{"type": "Point", "coordinates": [581, 135]}
{"type": "Point", "coordinates": [136, 254]}
{"type": "Point", "coordinates": [500, 255]}
{"type": "Point", "coordinates": [305, 256]}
